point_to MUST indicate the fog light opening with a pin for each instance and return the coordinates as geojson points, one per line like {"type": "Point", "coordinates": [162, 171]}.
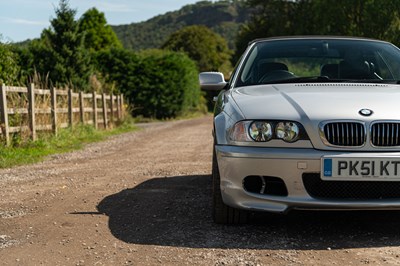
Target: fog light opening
{"type": "Point", "coordinates": [254, 184]}
{"type": "Point", "coordinates": [265, 185]}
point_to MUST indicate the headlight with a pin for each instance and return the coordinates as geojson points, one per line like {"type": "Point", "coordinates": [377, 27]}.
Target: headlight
{"type": "Point", "coordinates": [288, 131]}
{"type": "Point", "coordinates": [260, 131]}
{"type": "Point", "coordinates": [263, 131]}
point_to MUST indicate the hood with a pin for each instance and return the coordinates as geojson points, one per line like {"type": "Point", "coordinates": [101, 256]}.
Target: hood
{"type": "Point", "coordinates": [319, 101]}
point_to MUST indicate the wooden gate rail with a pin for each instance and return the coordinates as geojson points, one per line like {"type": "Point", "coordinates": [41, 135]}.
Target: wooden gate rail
{"type": "Point", "coordinates": [108, 111]}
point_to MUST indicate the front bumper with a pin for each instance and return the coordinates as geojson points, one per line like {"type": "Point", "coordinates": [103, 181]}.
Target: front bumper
{"type": "Point", "coordinates": [237, 162]}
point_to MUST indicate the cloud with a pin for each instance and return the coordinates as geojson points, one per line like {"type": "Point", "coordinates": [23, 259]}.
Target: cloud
{"type": "Point", "coordinates": [23, 21]}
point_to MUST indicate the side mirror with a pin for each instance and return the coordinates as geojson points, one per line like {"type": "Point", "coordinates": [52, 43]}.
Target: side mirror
{"type": "Point", "coordinates": [212, 81]}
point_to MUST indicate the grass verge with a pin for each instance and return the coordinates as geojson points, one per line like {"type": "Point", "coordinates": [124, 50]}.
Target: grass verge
{"type": "Point", "coordinates": [67, 140]}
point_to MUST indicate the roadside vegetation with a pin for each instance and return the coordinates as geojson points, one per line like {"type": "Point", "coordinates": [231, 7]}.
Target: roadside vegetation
{"type": "Point", "coordinates": [26, 152]}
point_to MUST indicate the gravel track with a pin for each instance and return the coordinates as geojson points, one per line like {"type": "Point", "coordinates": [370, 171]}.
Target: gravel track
{"type": "Point", "coordinates": [143, 198]}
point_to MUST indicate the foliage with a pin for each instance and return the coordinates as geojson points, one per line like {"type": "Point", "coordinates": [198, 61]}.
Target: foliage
{"type": "Point", "coordinates": [33, 59]}
{"type": "Point", "coordinates": [61, 52]}
{"type": "Point", "coordinates": [158, 84]}
{"type": "Point", "coordinates": [369, 18]}
{"type": "Point", "coordinates": [224, 17]}
{"type": "Point", "coordinates": [378, 19]}
{"type": "Point", "coordinates": [168, 85]}
{"type": "Point", "coordinates": [9, 67]}
{"type": "Point", "coordinates": [119, 67]}
{"type": "Point", "coordinates": [208, 49]}
{"type": "Point", "coordinates": [98, 35]}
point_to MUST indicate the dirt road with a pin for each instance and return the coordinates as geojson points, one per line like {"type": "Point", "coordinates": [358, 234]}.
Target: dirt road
{"type": "Point", "coordinates": [143, 198]}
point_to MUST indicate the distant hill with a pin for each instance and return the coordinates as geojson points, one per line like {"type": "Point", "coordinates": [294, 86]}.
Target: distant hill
{"type": "Point", "coordinates": [224, 17]}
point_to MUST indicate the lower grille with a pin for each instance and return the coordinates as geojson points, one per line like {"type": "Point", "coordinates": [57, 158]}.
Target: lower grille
{"type": "Point", "coordinates": [350, 190]}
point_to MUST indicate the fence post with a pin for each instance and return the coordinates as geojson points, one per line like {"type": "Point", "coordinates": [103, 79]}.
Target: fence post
{"type": "Point", "coordinates": [111, 107]}
{"type": "Point", "coordinates": [70, 109]}
{"type": "Point", "coordinates": [94, 109]}
{"type": "Point", "coordinates": [122, 106]}
{"type": "Point", "coordinates": [118, 107]}
{"type": "Point", "coordinates": [4, 114]}
{"type": "Point", "coordinates": [81, 107]}
{"type": "Point", "coordinates": [31, 110]}
{"type": "Point", "coordinates": [103, 97]}
{"type": "Point", "coordinates": [53, 94]}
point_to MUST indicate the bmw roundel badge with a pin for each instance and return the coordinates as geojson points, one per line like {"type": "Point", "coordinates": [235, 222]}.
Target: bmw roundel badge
{"type": "Point", "coordinates": [365, 112]}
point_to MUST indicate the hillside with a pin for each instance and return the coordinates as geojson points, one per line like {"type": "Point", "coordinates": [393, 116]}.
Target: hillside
{"type": "Point", "coordinates": [224, 17]}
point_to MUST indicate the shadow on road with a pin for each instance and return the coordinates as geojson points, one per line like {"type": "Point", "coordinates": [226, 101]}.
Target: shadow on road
{"type": "Point", "coordinates": [175, 211]}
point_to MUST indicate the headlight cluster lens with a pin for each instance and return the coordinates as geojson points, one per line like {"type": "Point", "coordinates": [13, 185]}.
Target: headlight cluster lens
{"type": "Point", "coordinates": [288, 131]}
{"type": "Point", "coordinates": [263, 131]}
{"type": "Point", "coordinates": [260, 131]}
{"type": "Point", "coordinates": [239, 132]}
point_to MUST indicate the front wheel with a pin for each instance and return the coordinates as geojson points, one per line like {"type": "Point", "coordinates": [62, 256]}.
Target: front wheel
{"type": "Point", "coordinates": [222, 213]}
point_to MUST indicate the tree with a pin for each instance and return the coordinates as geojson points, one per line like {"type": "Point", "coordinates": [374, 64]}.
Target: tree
{"type": "Point", "coordinates": [29, 60]}
{"type": "Point", "coordinates": [9, 68]}
{"type": "Point", "coordinates": [119, 67]}
{"type": "Point", "coordinates": [223, 17]}
{"type": "Point", "coordinates": [365, 18]}
{"type": "Point", "coordinates": [273, 18]}
{"type": "Point", "coordinates": [168, 84]}
{"type": "Point", "coordinates": [208, 49]}
{"type": "Point", "coordinates": [62, 53]}
{"type": "Point", "coordinates": [98, 35]}
{"type": "Point", "coordinates": [159, 84]}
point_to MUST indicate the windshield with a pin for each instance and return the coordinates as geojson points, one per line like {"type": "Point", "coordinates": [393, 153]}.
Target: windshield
{"type": "Point", "coordinates": [320, 60]}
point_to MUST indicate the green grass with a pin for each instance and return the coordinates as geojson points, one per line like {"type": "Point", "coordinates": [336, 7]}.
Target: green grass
{"type": "Point", "coordinates": [66, 140]}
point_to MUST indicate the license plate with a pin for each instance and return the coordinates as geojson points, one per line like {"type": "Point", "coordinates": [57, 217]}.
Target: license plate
{"type": "Point", "coordinates": [372, 169]}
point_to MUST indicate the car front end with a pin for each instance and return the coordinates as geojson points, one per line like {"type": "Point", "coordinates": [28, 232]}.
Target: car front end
{"type": "Point", "coordinates": [296, 137]}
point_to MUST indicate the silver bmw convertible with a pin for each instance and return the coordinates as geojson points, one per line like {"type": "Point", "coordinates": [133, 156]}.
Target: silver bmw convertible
{"type": "Point", "coordinates": [307, 123]}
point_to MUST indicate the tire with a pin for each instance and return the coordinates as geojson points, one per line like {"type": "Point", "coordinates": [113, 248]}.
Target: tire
{"type": "Point", "coordinates": [222, 213]}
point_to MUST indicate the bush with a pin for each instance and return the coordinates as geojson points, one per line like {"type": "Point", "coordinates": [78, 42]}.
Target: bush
{"type": "Point", "coordinates": [158, 84]}
{"type": "Point", "coordinates": [168, 85]}
{"type": "Point", "coordinates": [8, 64]}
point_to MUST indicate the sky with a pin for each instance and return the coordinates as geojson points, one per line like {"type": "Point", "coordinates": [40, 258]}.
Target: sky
{"type": "Point", "coordinates": [25, 19]}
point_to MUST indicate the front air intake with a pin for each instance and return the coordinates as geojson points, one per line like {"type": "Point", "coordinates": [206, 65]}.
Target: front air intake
{"type": "Point", "coordinates": [267, 185]}
{"type": "Point", "coordinates": [385, 134]}
{"type": "Point", "coordinates": [344, 134]}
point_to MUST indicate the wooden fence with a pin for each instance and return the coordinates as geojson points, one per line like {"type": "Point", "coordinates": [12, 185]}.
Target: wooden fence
{"type": "Point", "coordinates": [64, 108]}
